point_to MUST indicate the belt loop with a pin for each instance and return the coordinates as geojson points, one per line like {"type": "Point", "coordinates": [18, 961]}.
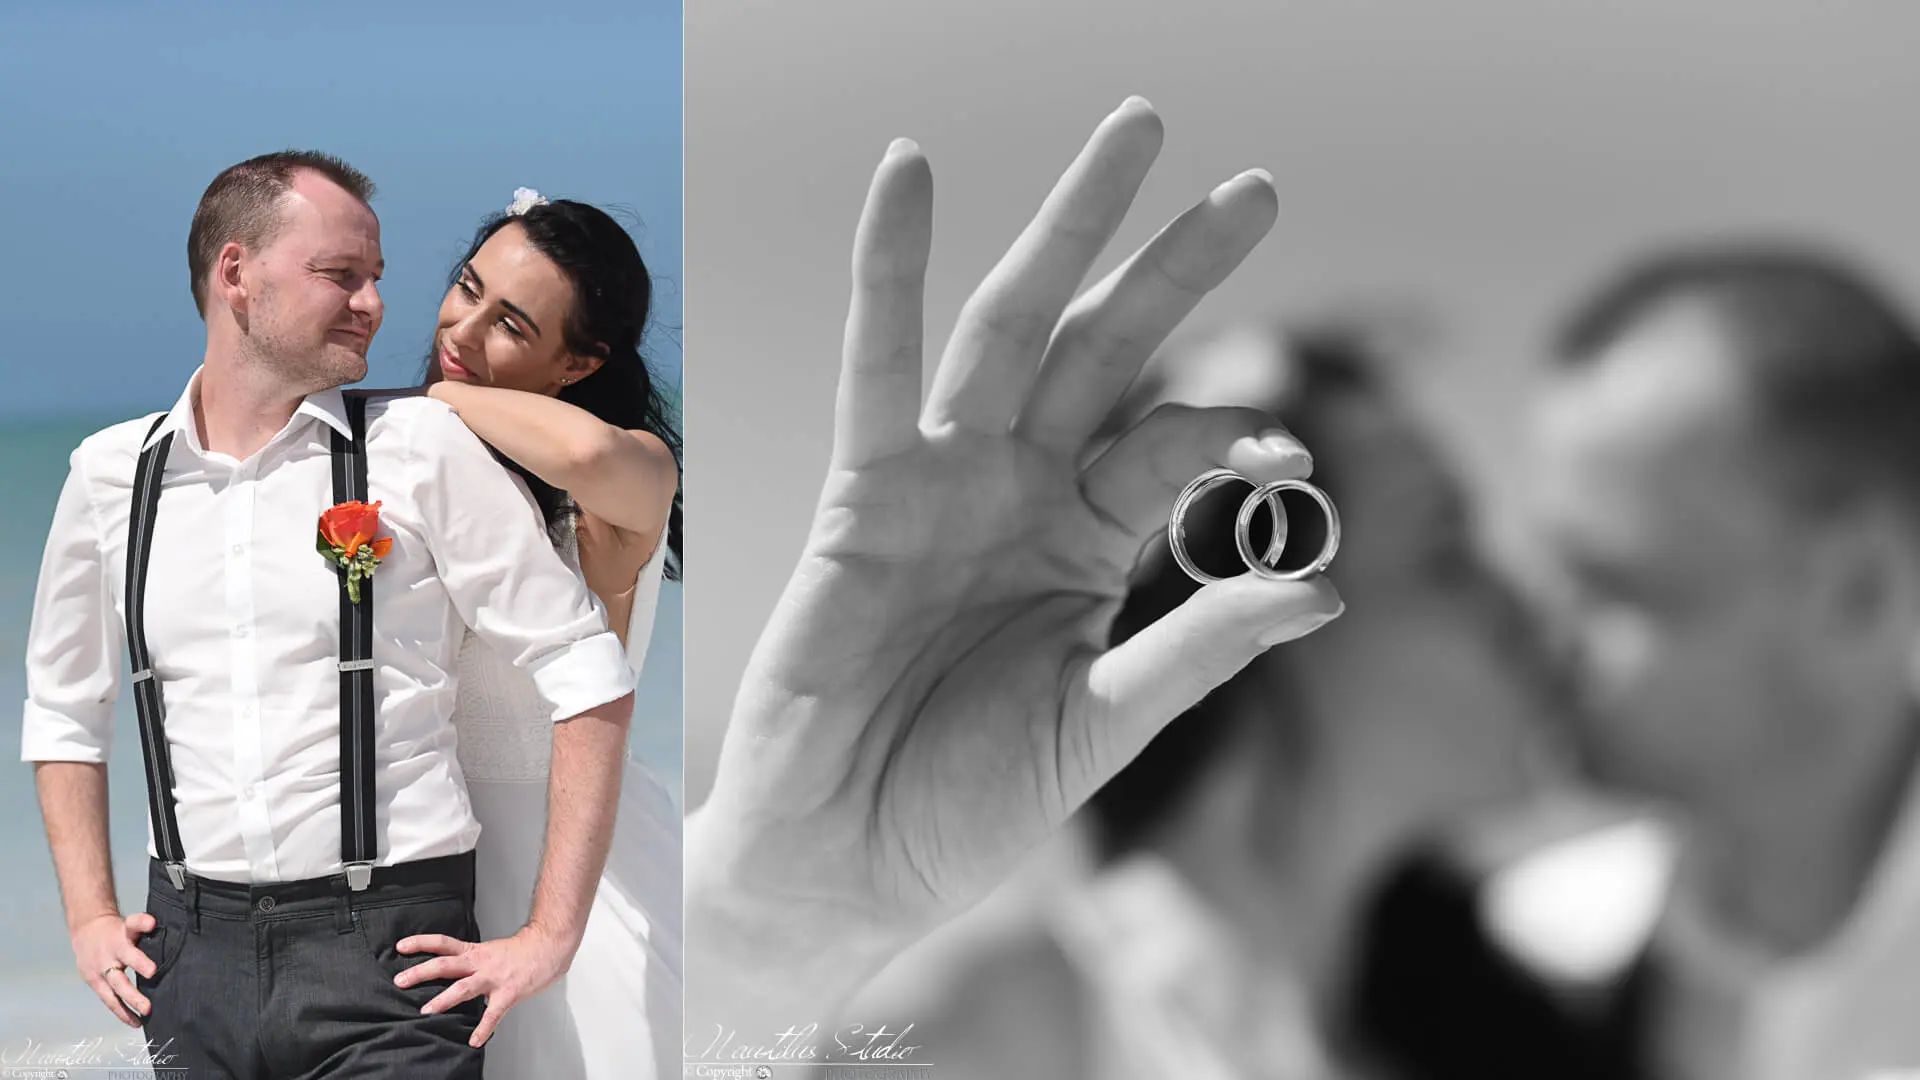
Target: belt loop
{"type": "Point", "coordinates": [342, 905]}
{"type": "Point", "coordinates": [193, 901]}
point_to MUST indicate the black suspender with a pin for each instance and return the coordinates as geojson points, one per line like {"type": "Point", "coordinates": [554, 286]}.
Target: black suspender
{"type": "Point", "coordinates": [358, 846]}
{"type": "Point", "coordinates": [358, 842]}
{"type": "Point", "coordinates": [146, 689]}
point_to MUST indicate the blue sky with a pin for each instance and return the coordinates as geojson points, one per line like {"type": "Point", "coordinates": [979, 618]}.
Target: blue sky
{"type": "Point", "coordinates": [114, 116]}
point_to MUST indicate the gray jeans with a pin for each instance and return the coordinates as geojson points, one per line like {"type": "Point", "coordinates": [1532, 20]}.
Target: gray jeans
{"type": "Point", "coordinates": [294, 981]}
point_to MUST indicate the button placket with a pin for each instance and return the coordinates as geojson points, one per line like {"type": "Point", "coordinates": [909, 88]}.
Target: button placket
{"type": "Point", "coordinates": [256, 829]}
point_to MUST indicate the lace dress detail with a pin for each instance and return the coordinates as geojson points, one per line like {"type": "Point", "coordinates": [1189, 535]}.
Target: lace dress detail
{"type": "Point", "coordinates": [615, 1014]}
{"type": "Point", "coordinates": [504, 733]}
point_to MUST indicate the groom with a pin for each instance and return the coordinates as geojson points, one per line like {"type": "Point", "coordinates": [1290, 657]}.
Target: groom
{"type": "Point", "coordinates": [310, 824]}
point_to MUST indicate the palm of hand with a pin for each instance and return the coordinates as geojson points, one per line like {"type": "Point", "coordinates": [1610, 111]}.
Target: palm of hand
{"type": "Point", "coordinates": [966, 583]}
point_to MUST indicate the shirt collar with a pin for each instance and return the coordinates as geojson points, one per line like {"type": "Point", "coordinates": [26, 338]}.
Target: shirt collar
{"type": "Point", "coordinates": [179, 418]}
{"type": "Point", "coordinates": [329, 406]}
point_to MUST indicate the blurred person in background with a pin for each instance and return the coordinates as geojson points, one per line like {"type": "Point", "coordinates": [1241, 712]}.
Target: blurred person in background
{"type": "Point", "coordinates": [1727, 479]}
{"type": "Point", "coordinates": [1208, 926]}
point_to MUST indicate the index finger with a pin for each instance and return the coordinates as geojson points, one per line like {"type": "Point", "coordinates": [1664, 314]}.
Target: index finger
{"type": "Point", "coordinates": [434, 943]}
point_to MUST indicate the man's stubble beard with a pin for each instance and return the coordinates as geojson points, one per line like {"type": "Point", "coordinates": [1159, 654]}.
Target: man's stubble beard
{"type": "Point", "coordinates": [301, 368]}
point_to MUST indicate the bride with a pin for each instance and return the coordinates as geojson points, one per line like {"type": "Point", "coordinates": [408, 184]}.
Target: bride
{"type": "Point", "coordinates": [537, 349]}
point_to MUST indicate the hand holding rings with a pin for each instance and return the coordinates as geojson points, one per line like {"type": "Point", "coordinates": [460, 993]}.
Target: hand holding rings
{"type": "Point", "coordinates": [1269, 493]}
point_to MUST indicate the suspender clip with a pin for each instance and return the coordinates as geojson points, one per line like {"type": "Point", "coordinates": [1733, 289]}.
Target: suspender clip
{"type": "Point", "coordinates": [359, 876]}
{"type": "Point", "coordinates": [143, 675]}
{"type": "Point", "coordinates": [177, 873]}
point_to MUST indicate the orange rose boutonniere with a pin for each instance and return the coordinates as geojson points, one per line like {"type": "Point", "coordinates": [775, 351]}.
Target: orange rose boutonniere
{"type": "Point", "coordinates": [346, 540]}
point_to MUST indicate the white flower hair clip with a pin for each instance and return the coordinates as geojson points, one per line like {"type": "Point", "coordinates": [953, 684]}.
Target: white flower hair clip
{"type": "Point", "coordinates": [524, 199]}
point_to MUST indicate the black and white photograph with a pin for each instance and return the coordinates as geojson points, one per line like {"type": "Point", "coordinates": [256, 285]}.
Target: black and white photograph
{"type": "Point", "coordinates": [1303, 540]}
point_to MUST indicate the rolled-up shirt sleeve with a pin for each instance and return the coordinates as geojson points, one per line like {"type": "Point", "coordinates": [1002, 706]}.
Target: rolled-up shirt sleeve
{"type": "Point", "coordinates": [501, 570]}
{"type": "Point", "coordinates": [73, 639]}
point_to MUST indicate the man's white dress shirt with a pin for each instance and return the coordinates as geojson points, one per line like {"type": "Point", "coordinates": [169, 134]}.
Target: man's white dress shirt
{"type": "Point", "coordinates": [1579, 912]}
{"type": "Point", "coordinates": [1846, 1009]}
{"type": "Point", "coordinates": [243, 615]}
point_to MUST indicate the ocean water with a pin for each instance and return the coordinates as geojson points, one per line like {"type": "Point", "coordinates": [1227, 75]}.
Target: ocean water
{"type": "Point", "coordinates": [42, 998]}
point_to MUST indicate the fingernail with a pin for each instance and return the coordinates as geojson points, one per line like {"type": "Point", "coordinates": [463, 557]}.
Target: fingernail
{"type": "Point", "coordinates": [1298, 626]}
{"type": "Point", "coordinates": [899, 147]}
{"type": "Point", "coordinates": [1251, 176]}
{"type": "Point", "coordinates": [1134, 101]}
{"type": "Point", "coordinates": [1280, 441]}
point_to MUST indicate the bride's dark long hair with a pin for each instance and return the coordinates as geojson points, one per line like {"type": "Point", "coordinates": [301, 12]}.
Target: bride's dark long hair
{"type": "Point", "coordinates": [613, 299]}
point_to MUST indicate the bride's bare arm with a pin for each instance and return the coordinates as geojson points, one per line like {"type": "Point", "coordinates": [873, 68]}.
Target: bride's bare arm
{"type": "Point", "coordinates": [625, 478]}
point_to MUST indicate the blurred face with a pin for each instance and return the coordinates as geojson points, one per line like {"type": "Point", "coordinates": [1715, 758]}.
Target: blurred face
{"type": "Point", "coordinates": [1416, 705]}
{"type": "Point", "coordinates": [310, 299]}
{"type": "Point", "coordinates": [1680, 568]}
{"type": "Point", "coordinates": [502, 322]}
{"type": "Point", "coordinates": [1421, 698]}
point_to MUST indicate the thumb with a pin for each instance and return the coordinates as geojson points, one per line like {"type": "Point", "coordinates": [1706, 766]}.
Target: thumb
{"type": "Point", "coordinates": [141, 922]}
{"type": "Point", "coordinates": [1138, 687]}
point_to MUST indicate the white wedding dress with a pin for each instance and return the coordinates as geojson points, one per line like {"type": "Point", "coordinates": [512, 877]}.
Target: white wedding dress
{"type": "Point", "coordinates": [616, 1013]}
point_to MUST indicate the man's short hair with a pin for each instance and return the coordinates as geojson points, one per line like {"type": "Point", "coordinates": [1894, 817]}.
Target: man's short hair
{"type": "Point", "coordinates": [242, 206]}
{"type": "Point", "coordinates": [1831, 360]}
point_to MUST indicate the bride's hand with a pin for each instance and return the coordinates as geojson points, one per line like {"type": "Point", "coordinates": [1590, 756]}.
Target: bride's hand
{"type": "Point", "coordinates": [934, 694]}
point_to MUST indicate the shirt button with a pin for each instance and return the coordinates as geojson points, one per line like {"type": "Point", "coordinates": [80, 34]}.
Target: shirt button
{"type": "Point", "coordinates": [240, 631]}
{"type": "Point", "coordinates": [236, 549]}
{"type": "Point", "coordinates": [247, 792]}
{"type": "Point", "coordinates": [266, 904]}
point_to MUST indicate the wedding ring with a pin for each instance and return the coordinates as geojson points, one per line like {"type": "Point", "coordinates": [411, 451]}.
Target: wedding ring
{"type": "Point", "coordinates": [1270, 494]}
{"type": "Point", "coordinates": [1177, 522]}
{"type": "Point", "coordinates": [111, 970]}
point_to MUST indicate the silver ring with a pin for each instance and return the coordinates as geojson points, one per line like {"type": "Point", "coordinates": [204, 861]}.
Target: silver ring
{"type": "Point", "coordinates": [1177, 521]}
{"type": "Point", "coordinates": [1270, 493]}
{"type": "Point", "coordinates": [111, 970]}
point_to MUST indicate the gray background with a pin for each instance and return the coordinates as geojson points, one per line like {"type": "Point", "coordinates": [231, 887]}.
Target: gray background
{"type": "Point", "coordinates": [1490, 160]}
